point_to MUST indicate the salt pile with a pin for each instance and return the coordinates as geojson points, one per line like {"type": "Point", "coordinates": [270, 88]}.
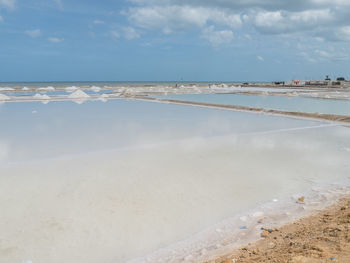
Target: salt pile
{"type": "Point", "coordinates": [71, 89]}
{"type": "Point", "coordinates": [6, 89]}
{"type": "Point", "coordinates": [95, 89]}
{"type": "Point", "coordinates": [25, 88]}
{"type": "Point", "coordinates": [41, 97]}
{"type": "Point", "coordinates": [79, 94]}
{"type": "Point", "coordinates": [104, 97]}
{"type": "Point", "coordinates": [47, 89]}
{"type": "Point", "coordinates": [4, 97]}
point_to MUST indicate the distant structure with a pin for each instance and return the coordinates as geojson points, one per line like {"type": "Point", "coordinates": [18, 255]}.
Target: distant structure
{"type": "Point", "coordinates": [340, 82]}
{"type": "Point", "coordinates": [296, 82]}
{"type": "Point", "coordinates": [327, 82]}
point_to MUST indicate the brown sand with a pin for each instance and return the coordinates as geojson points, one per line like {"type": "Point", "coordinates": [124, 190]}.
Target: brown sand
{"type": "Point", "coordinates": [324, 237]}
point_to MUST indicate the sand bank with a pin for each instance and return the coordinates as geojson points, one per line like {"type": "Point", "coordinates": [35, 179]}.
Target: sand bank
{"type": "Point", "coordinates": [323, 237]}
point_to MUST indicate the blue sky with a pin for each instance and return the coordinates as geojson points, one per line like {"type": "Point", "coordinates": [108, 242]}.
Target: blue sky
{"type": "Point", "coordinates": [163, 40]}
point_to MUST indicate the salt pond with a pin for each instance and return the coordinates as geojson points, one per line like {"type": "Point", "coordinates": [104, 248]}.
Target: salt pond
{"type": "Point", "coordinates": [295, 104]}
{"type": "Point", "coordinates": [115, 181]}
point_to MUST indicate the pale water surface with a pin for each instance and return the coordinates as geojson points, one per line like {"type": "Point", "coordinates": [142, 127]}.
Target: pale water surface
{"type": "Point", "coordinates": [115, 181]}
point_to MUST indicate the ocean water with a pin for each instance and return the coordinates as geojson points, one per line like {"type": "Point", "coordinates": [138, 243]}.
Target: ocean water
{"type": "Point", "coordinates": [295, 104]}
{"type": "Point", "coordinates": [134, 181]}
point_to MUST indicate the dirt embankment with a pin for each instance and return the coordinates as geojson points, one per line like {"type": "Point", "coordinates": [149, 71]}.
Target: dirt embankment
{"type": "Point", "coordinates": [324, 237]}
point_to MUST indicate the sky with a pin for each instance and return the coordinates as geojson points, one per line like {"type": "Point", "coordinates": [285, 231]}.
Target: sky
{"type": "Point", "coordinates": [174, 40]}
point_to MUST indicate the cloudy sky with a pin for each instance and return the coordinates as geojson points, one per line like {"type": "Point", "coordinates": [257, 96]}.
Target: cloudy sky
{"type": "Point", "coordinates": [160, 40]}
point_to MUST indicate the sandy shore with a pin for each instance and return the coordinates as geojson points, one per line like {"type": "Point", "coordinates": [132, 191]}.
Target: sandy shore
{"type": "Point", "coordinates": [323, 237]}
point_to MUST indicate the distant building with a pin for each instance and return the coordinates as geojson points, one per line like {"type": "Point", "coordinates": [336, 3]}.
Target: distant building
{"type": "Point", "coordinates": [336, 83]}
{"type": "Point", "coordinates": [316, 83]}
{"type": "Point", "coordinates": [296, 83]}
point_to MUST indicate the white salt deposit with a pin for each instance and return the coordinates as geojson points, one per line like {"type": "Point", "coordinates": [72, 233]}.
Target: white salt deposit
{"type": "Point", "coordinates": [104, 97]}
{"type": "Point", "coordinates": [162, 183]}
{"type": "Point", "coordinates": [25, 89]}
{"type": "Point", "coordinates": [117, 206]}
{"type": "Point", "coordinates": [79, 94]}
{"type": "Point", "coordinates": [41, 97]}
{"type": "Point", "coordinates": [4, 97]}
{"type": "Point", "coordinates": [37, 96]}
{"type": "Point", "coordinates": [95, 89]}
{"type": "Point", "coordinates": [46, 89]}
{"type": "Point", "coordinates": [79, 101]}
{"type": "Point", "coordinates": [6, 89]}
{"type": "Point", "coordinates": [71, 89]}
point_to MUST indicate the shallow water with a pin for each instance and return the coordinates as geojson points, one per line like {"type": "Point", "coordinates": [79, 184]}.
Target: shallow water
{"type": "Point", "coordinates": [295, 104]}
{"type": "Point", "coordinates": [155, 174]}
{"type": "Point", "coordinates": [66, 128]}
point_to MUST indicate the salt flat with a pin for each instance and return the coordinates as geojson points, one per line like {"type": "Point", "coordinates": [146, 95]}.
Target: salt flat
{"type": "Point", "coordinates": [117, 182]}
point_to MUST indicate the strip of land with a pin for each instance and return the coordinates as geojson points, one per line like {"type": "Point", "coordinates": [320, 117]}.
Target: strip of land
{"type": "Point", "coordinates": [318, 116]}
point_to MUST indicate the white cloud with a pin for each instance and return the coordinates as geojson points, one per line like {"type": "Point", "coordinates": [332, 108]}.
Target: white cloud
{"type": "Point", "coordinates": [217, 38]}
{"type": "Point", "coordinates": [260, 58]}
{"type": "Point", "coordinates": [55, 39]}
{"type": "Point", "coordinates": [8, 3]}
{"type": "Point", "coordinates": [331, 2]}
{"type": "Point", "coordinates": [279, 22]}
{"type": "Point", "coordinates": [33, 33]}
{"type": "Point", "coordinates": [269, 5]}
{"type": "Point", "coordinates": [59, 4]}
{"type": "Point", "coordinates": [179, 18]}
{"type": "Point", "coordinates": [130, 33]}
{"type": "Point", "coordinates": [321, 19]}
{"type": "Point", "coordinates": [247, 36]}
{"type": "Point", "coordinates": [114, 34]}
{"type": "Point", "coordinates": [343, 33]}
{"type": "Point", "coordinates": [97, 22]}
{"type": "Point", "coordinates": [268, 20]}
{"type": "Point", "coordinates": [322, 53]}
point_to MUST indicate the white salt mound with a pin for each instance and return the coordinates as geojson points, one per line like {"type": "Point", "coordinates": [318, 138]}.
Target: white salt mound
{"type": "Point", "coordinates": [47, 89]}
{"type": "Point", "coordinates": [71, 89]}
{"type": "Point", "coordinates": [79, 101]}
{"type": "Point", "coordinates": [25, 88]}
{"type": "Point", "coordinates": [4, 97]}
{"type": "Point", "coordinates": [41, 97]}
{"type": "Point", "coordinates": [95, 89]}
{"type": "Point", "coordinates": [104, 97]}
{"type": "Point", "coordinates": [79, 94]}
{"type": "Point", "coordinates": [6, 89]}
{"type": "Point", "coordinates": [45, 97]}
